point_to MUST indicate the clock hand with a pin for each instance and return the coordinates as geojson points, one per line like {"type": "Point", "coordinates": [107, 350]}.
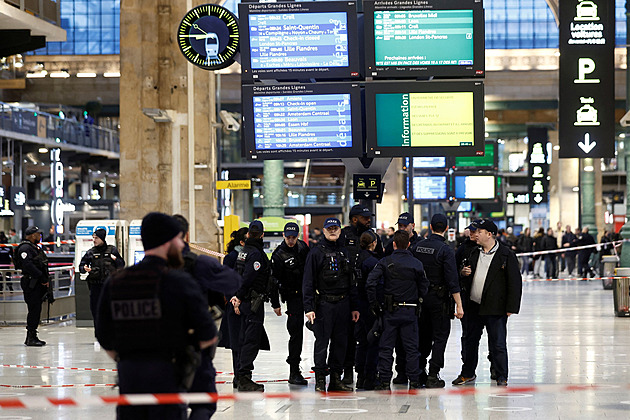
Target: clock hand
{"type": "Point", "coordinates": [198, 36]}
{"type": "Point", "coordinates": [197, 27]}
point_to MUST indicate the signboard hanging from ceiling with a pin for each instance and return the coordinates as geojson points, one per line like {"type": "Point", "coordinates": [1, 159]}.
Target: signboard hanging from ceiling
{"type": "Point", "coordinates": [538, 164]}
{"type": "Point", "coordinates": [587, 74]}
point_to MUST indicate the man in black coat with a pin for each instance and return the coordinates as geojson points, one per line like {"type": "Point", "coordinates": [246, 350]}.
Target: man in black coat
{"type": "Point", "coordinates": [495, 291]}
{"type": "Point", "coordinates": [584, 255]}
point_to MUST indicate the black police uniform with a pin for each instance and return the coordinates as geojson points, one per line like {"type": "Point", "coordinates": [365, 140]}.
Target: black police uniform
{"type": "Point", "coordinates": [389, 249]}
{"type": "Point", "coordinates": [404, 283]}
{"type": "Point", "coordinates": [145, 314]}
{"type": "Point", "coordinates": [215, 281]}
{"type": "Point", "coordinates": [330, 292]}
{"type": "Point", "coordinates": [366, 357]}
{"type": "Point", "coordinates": [253, 265]}
{"type": "Point", "coordinates": [34, 264]}
{"type": "Point", "coordinates": [438, 260]}
{"type": "Point", "coordinates": [287, 267]}
{"type": "Point", "coordinates": [230, 329]}
{"type": "Point", "coordinates": [99, 259]}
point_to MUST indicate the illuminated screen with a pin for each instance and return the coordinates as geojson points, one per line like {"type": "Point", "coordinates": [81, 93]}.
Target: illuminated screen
{"type": "Point", "coordinates": [138, 256]}
{"type": "Point", "coordinates": [475, 187]}
{"type": "Point", "coordinates": [420, 38]}
{"type": "Point", "coordinates": [486, 161]}
{"type": "Point", "coordinates": [429, 188]}
{"type": "Point", "coordinates": [465, 206]}
{"type": "Point", "coordinates": [429, 162]}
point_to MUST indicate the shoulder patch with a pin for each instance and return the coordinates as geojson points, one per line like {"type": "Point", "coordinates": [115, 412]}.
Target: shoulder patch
{"type": "Point", "coordinates": [256, 266]}
{"type": "Point", "coordinates": [23, 255]}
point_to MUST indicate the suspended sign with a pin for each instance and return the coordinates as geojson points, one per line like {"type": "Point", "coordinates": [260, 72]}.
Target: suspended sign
{"type": "Point", "coordinates": [587, 76]}
{"type": "Point", "coordinates": [538, 166]}
{"type": "Point", "coordinates": [56, 182]}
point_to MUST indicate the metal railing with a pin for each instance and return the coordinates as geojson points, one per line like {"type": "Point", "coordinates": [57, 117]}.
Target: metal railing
{"type": "Point", "coordinates": [43, 124]}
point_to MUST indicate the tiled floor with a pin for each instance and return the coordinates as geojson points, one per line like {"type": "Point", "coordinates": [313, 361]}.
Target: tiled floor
{"type": "Point", "coordinates": [565, 334]}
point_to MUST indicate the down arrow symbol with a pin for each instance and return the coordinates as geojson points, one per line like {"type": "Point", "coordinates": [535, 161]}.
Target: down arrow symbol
{"type": "Point", "coordinates": [587, 146]}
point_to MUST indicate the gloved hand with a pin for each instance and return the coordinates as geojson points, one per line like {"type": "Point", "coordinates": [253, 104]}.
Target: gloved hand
{"type": "Point", "coordinates": [376, 309]}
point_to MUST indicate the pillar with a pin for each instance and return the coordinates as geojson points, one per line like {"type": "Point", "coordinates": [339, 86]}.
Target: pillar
{"type": "Point", "coordinates": [587, 197]}
{"type": "Point", "coordinates": [273, 188]}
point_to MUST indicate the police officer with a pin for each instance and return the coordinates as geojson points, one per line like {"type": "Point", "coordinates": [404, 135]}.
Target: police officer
{"type": "Point", "coordinates": [360, 221]}
{"type": "Point", "coordinates": [404, 283]}
{"type": "Point", "coordinates": [287, 267]}
{"type": "Point", "coordinates": [99, 262]}
{"type": "Point", "coordinates": [439, 264]}
{"type": "Point", "coordinates": [253, 265]}
{"type": "Point", "coordinates": [330, 304]}
{"type": "Point", "coordinates": [145, 316]}
{"type": "Point", "coordinates": [33, 262]}
{"type": "Point", "coordinates": [215, 281]}
{"type": "Point", "coordinates": [406, 223]}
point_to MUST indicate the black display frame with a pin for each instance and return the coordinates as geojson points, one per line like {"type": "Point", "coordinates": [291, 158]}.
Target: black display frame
{"type": "Point", "coordinates": [497, 188]}
{"type": "Point", "coordinates": [495, 164]}
{"type": "Point", "coordinates": [375, 87]}
{"type": "Point", "coordinates": [477, 69]}
{"type": "Point", "coordinates": [432, 175]}
{"type": "Point", "coordinates": [248, 129]}
{"type": "Point", "coordinates": [352, 72]}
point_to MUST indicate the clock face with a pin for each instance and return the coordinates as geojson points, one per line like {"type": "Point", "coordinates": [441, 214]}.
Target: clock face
{"type": "Point", "coordinates": [208, 37]}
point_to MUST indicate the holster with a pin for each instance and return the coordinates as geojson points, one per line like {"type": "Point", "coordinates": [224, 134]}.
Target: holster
{"type": "Point", "coordinates": [186, 362]}
{"type": "Point", "coordinates": [389, 303]}
{"type": "Point", "coordinates": [257, 299]}
{"type": "Point", "coordinates": [32, 282]}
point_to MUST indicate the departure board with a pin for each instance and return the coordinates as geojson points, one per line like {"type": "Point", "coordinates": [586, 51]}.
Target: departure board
{"type": "Point", "coordinates": [429, 188]}
{"type": "Point", "coordinates": [422, 162]}
{"type": "Point", "coordinates": [302, 119]}
{"type": "Point", "coordinates": [475, 187]}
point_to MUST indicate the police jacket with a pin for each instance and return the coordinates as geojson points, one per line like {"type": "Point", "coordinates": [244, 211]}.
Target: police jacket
{"type": "Point", "coordinates": [99, 259]}
{"type": "Point", "coordinates": [287, 267]}
{"type": "Point", "coordinates": [210, 274]}
{"type": "Point", "coordinates": [350, 236]}
{"type": "Point", "coordinates": [503, 285]}
{"type": "Point", "coordinates": [33, 262]}
{"type": "Point", "coordinates": [149, 309]}
{"type": "Point", "coordinates": [253, 265]}
{"type": "Point", "coordinates": [389, 249]}
{"type": "Point", "coordinates": [402, 275]}
{"type": "Point", "coordinates": [366, 262]}
{"type": "Point", "coordinates": [327, 271]}
{"type": "Point", "coordinates": [439, 263]}
{"type": "Point", "coordinates": [230, 258]}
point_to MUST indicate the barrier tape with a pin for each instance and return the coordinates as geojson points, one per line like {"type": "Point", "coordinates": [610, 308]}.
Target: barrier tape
{"type": "Point", "coordinates": [205, 398]}
{"type": "Point", "coordinates": [66, 242]}
{"type": "Point", "coordinates": [60, 368]}
{"type": "Point", "coordinates": [207, 251]}
{"type": "Point", "coordinates": [58, 386]}
{"type": "Point", "coordinates": [575, 279]}
{"type": "Point", "coordinates": [604, 245]}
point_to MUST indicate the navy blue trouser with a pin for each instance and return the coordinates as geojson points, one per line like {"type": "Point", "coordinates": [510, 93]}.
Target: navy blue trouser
{"type": "Point", "coordinates": [33, 298]}
{"type": "Point", "coordinates": [434, 328]}
{"type": "Point", "coordinates": [331, 327]}
{"type": "Point", "coordinates": [496, 326]}
{"type": "Point", "coordinates": [366, 356]}
{"type": "Point", "coordinates": [403, 323]}
{"type": "Point", "coordinates": [251, 332]}
{"type": "Point", "coordinates": [95, 294]}
{"type": "Point", "coordinates": [295, 327]}
{"type": "Point", "coordinates": [205, 381]}
{"type": "Point", "coordinates": [144, 374]}
{"type": "Point", "coordinates": [231, 327]}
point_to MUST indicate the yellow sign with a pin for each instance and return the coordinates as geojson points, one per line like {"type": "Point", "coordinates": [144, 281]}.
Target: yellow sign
{"type": "Point", "coordinates": [245, 184]}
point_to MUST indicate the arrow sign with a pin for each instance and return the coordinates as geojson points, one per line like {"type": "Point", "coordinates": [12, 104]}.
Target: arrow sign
{"type": "Point", "coordinates": [587, 146]}
{"type": "Point", "coordinates": [538, 198]}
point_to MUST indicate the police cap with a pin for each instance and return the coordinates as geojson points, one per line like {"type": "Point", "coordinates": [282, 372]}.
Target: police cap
{"type": "Point", "coordinates": [405, 219]}
{"type": "Point", "coordinates": [360, 210]}
{"type": "Point", "coordinates": [256, 226]}
{"type": "Point", "coordinates": [331, 221]}
{"type": "Point", "coordinates": [31, 230]}
{"type": "Point", "coordinates": [291, 229]}
{"type": "Point", "coordinates": [488, 225]}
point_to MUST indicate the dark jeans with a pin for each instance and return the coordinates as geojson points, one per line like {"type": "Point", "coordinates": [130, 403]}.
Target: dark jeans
{"type": "Point", "coordinates": [496, 326]}
{"type": "Point", "coordinates": [550, 265]}
{"type": "Point", "coordinates": [252, 329]}
{"type": "Point", "coordinates": [570, 260]}
{"type": "Point", "coordinates": [434, 328]}
{"type": "Point", "coordinates": [331, 327]}
{"type": "Point", "coordinates": [205, 381]}
{"type": "Point", "coordinates": [402, 323]}
{"type": "Point", "coordinates": [295, 327]}
{"type": "Point", "coordinates": [33, 298]}
{"type": "Point", "coordinates": [95, 294]}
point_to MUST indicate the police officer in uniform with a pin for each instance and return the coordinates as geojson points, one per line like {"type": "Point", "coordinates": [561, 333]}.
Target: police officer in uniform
{"type": "Point", "coordinates": [287, 267]}
{"type": "Point", "coordinates": [404, 283]}
{"type": "Point", "coordinates": [145, 318]}
{"type": "Point", "coordinates": [253, 265]}
{"type": "Point", "coordinates": [33, 262]}
{"type": "Point", "coordinates": [360, 221]}
{"type": "Point", "coordinates": [330, 305]}
{"type": "Point", "coordinates": [406, 223]}
{"type": "Point", "coordinates": [215, 281]}
{"type": "Point", "coordinates": [99, 262]}
{"type": "Point", "coordinates": [439, 264]}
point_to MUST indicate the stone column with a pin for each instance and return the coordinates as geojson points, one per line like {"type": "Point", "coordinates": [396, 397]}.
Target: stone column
{"type": "Point", "coordinates": [625, 230]}
{"type": "Point", "coordinates": [587, 196]}
{"type": "Point", "coordinates": [273, 187]}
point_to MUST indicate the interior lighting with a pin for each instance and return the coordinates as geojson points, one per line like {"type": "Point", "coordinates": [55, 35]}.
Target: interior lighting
{"type": "Point", "coordinates": [588, 169]}
{"type": "Point", "coordinates": [112, 74]}
{"type": "Point", "coordinates": [59, 74]}
{"type": "Point", "coordinates": [38, 75]}
{"type": "Point", "coordinates": [86, 75]}
{"type": "Point", "coordinates": [43, 150]}
{"type": "Point", "coordinates": [290, 176]}
{"type": "Point", "coordinates": [622, 135]}
{"type": "Point", "coordinates": [556, 147]}
{"type": "Point", "coordinates": [576, 189]}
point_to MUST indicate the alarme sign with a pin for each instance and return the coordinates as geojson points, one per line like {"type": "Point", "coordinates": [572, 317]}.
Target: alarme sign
{"type": "Point", "coordinates": [587, 95]}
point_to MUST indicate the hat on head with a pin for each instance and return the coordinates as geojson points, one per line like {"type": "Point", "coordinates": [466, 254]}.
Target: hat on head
{"type": "Point", "coordinates": [291, 229]}
{"type": "Point", "coordinates": [488, 225]}
{"type": "Point", "coordinates": [32, 229]}
{"type": "Point", "coordinates": [101, 233]}
{"type": "Point", "coordinates": [331, 221]}
{"type": "Point", "coordinates": [256, 226]}
{"type": "Point", "coordinates": [360, 210]}
{"type": "Point", "coordinates": [439, 218]}
{"type": "Point", "coordinates": [473, 225]}
{"type": "Point", "coordinates": [405, 219]}
{"type": "Point", "coordinates": [157, 229]}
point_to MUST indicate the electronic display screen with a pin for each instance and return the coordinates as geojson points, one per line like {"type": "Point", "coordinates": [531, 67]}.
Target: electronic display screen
{"type": "Point", "coordinates": [488, 160]}
{"type": "Point", "coordinates": [475, 187]}
{"type": "Point", "coordinates": [424, 118]}
{"type": "Point", "coordinates": [302, 121]}
{"type": "Point", "coordinates": [427, 38]}
{"type": "Point", "coordinates": [429, 188]}
{"type": "Point", "coordinates": [465, 206]}
{"type": "Point", "coordinates": [138, 256]}
{"type": "Point", "coordinates": [422, 162]}
{"type": "Point", "coordinates": [299, 40]}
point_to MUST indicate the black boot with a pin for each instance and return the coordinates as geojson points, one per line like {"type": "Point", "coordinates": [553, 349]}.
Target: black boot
{"type": "Point", "coordinates": [336, 384]}
{"type": "Point", "coordinates": [369, 382]}
{"type": "Point", "coordinates": [295, 377]}
{"type": "Point", "coordinates": [348, 376]}
{"type": "Point", "coordinates": [360, 380]}
{"type": "Point", "coordinates": [32, 340]}
{"type": "Point", "coordinates": [245, 384]}
{"type": "Point", "coordinates": [320, 382]}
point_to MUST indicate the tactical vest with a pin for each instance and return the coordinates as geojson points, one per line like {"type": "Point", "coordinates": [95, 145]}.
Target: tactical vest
{"type": "Point", "coordinates": [102, 266]}
{"type": "Point", "coordinates": [336, 273]}
{"type": "Point", "coordinates": [40, 261]}
{"type": "Point", "coordinates": [427, 252]}
{"type": "Point", "coordinates": [262, 274]}
{"type": "Point", "coordinates": [352, 246]}
{"type": "Point", "coordinates": [139, 322]}
{"type": "Point", "coordinates": [292, 267]}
